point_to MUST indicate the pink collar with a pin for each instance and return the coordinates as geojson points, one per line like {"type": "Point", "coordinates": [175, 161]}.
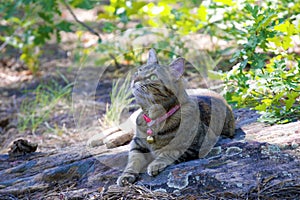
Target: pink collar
{"type": "Point", "coordinates": [150, 122]}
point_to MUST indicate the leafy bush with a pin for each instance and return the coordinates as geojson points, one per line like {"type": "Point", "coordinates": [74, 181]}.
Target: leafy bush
{"type": "Point", "coordinates": [28, 24]}
{"type": "Point", "coordinates": [266, 72]}
{"type": "Point", "coordinates": [267, 76]}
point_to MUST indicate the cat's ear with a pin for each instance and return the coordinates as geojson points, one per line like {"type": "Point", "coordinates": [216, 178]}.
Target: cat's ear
{"type": "Point", "coordinates": [152, 58]}
{"type": "Point", "coordinates": [177, 67]}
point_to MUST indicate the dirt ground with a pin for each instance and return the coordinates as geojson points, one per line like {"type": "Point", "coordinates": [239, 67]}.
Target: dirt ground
{"type": "Point", "coordinates": [91, 88]}
{"type": "Point", "coordinates": [90, 92]}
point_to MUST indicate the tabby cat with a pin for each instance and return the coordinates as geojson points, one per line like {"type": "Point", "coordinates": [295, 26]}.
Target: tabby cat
{"type": "Point", "coordinates": [173, 126]}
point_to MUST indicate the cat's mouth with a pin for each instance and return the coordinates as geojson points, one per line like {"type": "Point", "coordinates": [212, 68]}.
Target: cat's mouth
{"type": "Point", "coordinates": [139, 89]}
{"type": "Point", "coordinates": [137, 85]}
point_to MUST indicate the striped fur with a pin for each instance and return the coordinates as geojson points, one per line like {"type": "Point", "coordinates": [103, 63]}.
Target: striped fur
{"type": "Point", "coordinates": [188, 134]}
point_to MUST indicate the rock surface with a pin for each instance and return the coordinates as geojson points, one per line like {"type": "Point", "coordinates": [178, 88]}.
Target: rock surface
{"type": "Point", "coordinates": [260, 162]}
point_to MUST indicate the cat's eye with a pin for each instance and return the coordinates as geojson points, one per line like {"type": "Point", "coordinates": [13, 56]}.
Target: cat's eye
{"type": "Point", "coordinates": [153, 77]}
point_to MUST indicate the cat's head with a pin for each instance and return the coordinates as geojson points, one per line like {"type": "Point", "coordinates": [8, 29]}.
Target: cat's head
{"type": "Point", "coordinates": [154, 83]}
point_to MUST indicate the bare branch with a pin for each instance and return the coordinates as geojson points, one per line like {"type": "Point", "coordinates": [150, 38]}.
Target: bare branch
{"type": "Point", "coordinates": [80, 22]}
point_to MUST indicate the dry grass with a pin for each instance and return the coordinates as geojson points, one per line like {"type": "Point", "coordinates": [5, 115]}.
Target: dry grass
{"type": "Point", "coordinates": [264, 190]}
{"type": "Point", "coordinates": [135, 192]}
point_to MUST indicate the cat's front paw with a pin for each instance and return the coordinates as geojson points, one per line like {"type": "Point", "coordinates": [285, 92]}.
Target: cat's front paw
{"type": "Point", "coordinates": [126, 179]}
{"type": "Point", "coordinates": [155, 168]}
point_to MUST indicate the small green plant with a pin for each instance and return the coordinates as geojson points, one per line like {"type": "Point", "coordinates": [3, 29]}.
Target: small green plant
{"type": "Point", "coordinates": [121, 98]}
{"type": "Point", "coordinates": [37, 111]}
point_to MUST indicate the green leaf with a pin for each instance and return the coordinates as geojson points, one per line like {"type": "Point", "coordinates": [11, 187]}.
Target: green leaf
{"type": "Point", "coordinates": [139, 25]}
{"type": "Point", "coordinates": [43, 34]}
{"type": "Point", "coordinates": [236, 98]}
{"type": "Point", "coordinates": [123, 17]}
{"type": "Point", "coordinates": [278, 96]}
{"type": "Point", "coordinates": [84, 4]}
{"type": "Point", "coordinates": [287, 42]}
{"type": "Point", "coordinates": [9, 9]}
{"type": "Point", "coordinates": [136, 6]}
{"type": "Point", "coordinates": [235, 56]}
{"type": "Point", "coordinates": [109, 27]}
{"type": "Point", "coordinates": [253, 10]}
{"type": "Point", "coordinates": [202, 13]}
{"type": "Point", "coordinates": [225, 2]}
{"type": "Point", "coordinates": [286, 27]}
{"type": "Point", "coordinates": [244, 63]}
{"type": "Point", "coordinates": [49, 6]}
{"type": "Point", "coordinates": [261, 107]}
{"type": "Point", "coordinates": [48, 17]}
{"type": "Point", "coordinates": [64, 26]}
{"type": "Point", "coordinates": [4, 28]}
{"type": "Point", "coordinates": [249, 8]}
{"type": "Point", "coordinates": [291, 99]}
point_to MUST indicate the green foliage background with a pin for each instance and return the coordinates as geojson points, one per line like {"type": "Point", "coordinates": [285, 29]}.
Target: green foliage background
{"type": "Point", "coordinates": [264, 68]}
